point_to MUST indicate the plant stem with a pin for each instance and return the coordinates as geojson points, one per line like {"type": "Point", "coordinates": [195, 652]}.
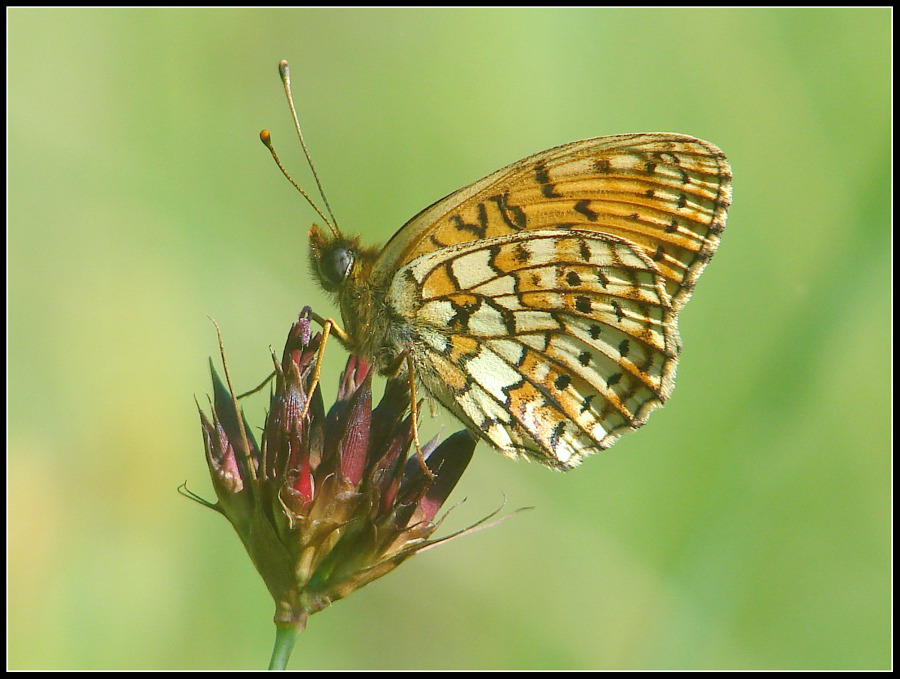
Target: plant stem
{"type": "Point", "coordinates": [285, 636]}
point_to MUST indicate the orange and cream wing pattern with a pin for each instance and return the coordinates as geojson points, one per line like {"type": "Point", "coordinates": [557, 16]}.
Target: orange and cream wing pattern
{"type": "Point", "coordinates": [539, 304]}
{"type": "Point", "coordinates": [665, 193]}
{"type": "Point", "coordinates": [550, 344]}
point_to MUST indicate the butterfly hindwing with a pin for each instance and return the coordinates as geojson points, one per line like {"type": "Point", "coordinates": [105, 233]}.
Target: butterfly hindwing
{"type": "Point", "coordinates": [550, 344]}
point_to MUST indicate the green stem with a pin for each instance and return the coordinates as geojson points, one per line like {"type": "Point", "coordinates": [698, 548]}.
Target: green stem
{"type": "Point", "coordinates": [285, 636]}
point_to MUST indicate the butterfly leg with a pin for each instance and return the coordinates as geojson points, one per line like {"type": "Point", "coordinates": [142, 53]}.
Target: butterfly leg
{"type": "Point", "coordinates": [328, 326]}
{"type": "Point", "coordinates": [331, 326]}
{"type": "Point", "coordinates": [257, 388]}
{"type": "Point", "coordinates": [414, 413]}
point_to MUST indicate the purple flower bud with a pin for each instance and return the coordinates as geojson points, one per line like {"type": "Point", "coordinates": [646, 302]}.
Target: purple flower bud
{"type": "Point", "coordinates": [326, 503]}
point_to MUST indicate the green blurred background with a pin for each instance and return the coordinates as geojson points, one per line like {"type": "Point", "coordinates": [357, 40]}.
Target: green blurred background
{"type": "Point", "coordinates": [747, 526]}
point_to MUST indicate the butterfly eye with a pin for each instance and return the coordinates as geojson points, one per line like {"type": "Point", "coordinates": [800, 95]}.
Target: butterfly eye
{"type": "Point", "coordinates": [335, 266]}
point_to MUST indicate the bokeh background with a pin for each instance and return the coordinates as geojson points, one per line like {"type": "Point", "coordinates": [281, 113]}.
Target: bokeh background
{"type": "Point", "coordinates": [746, 526]}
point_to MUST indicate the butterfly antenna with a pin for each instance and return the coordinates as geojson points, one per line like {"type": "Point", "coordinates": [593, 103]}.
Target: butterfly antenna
{"type": "Point", "coordinates": [266, 139]}
{"type": "Point", "coordinates": [285, 73]}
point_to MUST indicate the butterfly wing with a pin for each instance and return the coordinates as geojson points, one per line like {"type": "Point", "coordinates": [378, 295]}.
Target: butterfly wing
{"type": "Point", "coordinates": [539, 303]}
{"type": "Point", "coordinates": [549, 344]}
{"type": "Point", "coordinates": [666, 194]}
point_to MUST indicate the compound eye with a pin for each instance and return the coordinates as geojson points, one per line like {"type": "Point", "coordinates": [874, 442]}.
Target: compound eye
{"type": "Point", "coordinates": [335, 266]}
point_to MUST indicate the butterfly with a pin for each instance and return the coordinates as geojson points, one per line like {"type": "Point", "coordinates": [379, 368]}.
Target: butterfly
{"type": "Point", "coordinates": [539, 305]}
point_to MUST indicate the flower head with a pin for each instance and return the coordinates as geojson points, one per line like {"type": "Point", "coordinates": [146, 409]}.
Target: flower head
{"type": "Point", "coordinates": [328, 502]}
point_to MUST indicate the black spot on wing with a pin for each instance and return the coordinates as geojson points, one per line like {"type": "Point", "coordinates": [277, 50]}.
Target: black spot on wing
{"type": "Point", "coordinates": [582, 207]}
{"type": "Point", "coordinates": [548, 189]}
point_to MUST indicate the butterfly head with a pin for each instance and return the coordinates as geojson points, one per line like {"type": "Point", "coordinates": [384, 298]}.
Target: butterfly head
{"type": "Point", "coordinates": [332, 258]}
{"type": "Point", "coordinates": [339, 263]}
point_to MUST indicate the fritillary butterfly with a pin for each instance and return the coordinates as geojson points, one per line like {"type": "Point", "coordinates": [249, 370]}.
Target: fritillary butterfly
{"type": "Point", "coordinates": [539, 305]}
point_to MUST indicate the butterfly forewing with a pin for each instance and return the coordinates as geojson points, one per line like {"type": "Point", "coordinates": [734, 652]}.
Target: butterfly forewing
{"type": "Point", "coordinates": [665, 193]}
